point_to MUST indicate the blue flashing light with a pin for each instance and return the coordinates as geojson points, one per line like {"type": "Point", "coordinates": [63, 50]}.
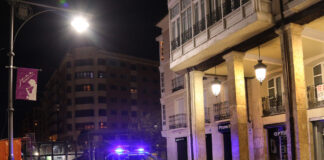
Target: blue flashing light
{"type": "Point", "coordinates": [119, 150]}
{"type": "Point", "coordinates": [141, 150]}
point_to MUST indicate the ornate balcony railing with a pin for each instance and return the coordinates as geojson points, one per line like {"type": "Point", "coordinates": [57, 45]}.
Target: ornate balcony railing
{"type": "Point", "coordinates": [186, 35]}
{"type": "Point", "coordinates": [315, 100]}
{"type": "Point", "coordinates": [177, 83]}
{"type": "Point", "coordinates": [199, 26]}
{"type": "Point", "coordinates": [221, 111]}
{"type": "Point", "coordinates": [272, 106]}
{"type": "Point", "coordinates": [178, 121]}
{"type": "Point", "coordinates": [175, 43]}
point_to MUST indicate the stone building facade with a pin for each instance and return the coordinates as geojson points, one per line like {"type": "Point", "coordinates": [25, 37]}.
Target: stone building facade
{"type": "Point", "coordinates": [280, 118]}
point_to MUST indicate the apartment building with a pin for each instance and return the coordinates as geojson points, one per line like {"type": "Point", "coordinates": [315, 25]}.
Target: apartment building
{"type": "Point", "coordinates": [104, 95]}
{"type": "Point", "coordinates": [278, 115]}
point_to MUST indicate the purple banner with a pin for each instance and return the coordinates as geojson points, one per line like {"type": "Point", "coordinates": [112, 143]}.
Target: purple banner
{"type": "Point", "coordinates": [26, 85]}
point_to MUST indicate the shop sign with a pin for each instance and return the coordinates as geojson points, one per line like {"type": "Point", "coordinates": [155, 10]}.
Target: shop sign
{"type": "Point", "coordinates": [279, 133]}
{"type": "Point", "coordinates": [320, 92]}
{"type": "Point", "coordinates": [180, 139]}
{"type": "Point", "coordinates": [224, 127]}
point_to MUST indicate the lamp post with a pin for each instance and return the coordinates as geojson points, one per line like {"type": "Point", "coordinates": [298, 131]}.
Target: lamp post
{"type": "Point", "coordinates": [79, 24]}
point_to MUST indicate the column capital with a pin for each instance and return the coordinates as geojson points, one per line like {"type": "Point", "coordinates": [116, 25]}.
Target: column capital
{"type": "Point", "coordinates": [233, 55]}
{"type": "Point", "coordinates": [292, 28]}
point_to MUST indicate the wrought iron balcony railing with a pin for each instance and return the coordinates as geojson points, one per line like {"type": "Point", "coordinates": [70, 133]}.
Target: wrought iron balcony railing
{"type": "Point", "coordinates": [177, 83]}
{"type": "Point", "coordinates": [207, 117]}
{"type": "Point", "coordinates": [175, 43]}
{"type": "Point", "coordinates": [186, 35]}
{"type": "Point", "coordinates": [199, 26]}
{"type": "Point", "coordinates": [272, 106]}
{"type": "Point", "coordinates": [221, 111]}
{"type": "Point", "coordinates": [178, 121]}
{"type": "Point", "coordinates": [315, 100]}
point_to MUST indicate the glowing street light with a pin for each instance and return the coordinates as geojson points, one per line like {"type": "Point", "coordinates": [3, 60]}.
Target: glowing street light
{"type": "Point", "coordinates": [216, 87]}
{"type": "Point", "coordinates": [260, 69]}
{"type": "Point", "coordinates": [80, 24]}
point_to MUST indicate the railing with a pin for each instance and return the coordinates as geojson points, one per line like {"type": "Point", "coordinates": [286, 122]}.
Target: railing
{"type": "Point", "coordinates": [199, 26]}
{"type": "Point", "coordinates": [221, 111]}
{"type": "Point", "coordinates": [177, 83]}
{"type": "Point", "coordinates": [175, 43]}
{"type": "Point", "coordinates": [186, 35]}
{"type": "Point", "coordinates": [314, 99]}
{"type": "Point", "coordinates": [178, 121]}
{"type": "Point", "coordinates": [272, 106]}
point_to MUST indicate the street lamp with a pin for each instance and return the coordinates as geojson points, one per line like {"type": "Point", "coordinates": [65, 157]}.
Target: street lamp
{"type": "Point", "coordinates": [260, 69]}
{"type": "Point", "coordinates": [79, 24]}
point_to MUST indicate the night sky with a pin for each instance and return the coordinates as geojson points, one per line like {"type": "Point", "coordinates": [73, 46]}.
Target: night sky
{"type": "Point", "coordinates": [123, 26]}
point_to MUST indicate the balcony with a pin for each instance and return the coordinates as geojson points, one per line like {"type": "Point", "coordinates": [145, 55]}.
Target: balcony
{"type": "Point", "coordinates": [272, 106]}
{"type": "Point", "coordinates": [177, 83]}
{"type": "Point", "coordinates": [221, 111]}
{"type": "Point", "coordinates": [229, 24]}
{"type": "Point", "coordinates": [314, 100]}
{"type": "Point", "coordinates": [178, 121]}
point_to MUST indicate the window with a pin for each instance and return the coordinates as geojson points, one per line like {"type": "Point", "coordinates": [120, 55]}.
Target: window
{"type": "Point", "coordinates": [83, 75]}
{"type": "Point", "coordinates": [83, 62]}
{"type": "Point", "coordinates": [84, 126]}
{"type": "Point", "coordinates": [113, 87]}
{"type": "Point", "coordinates": [113, 125]}
{"type": "Point", "coordinates": [122, 64]}
{"type": "Point", "coordinates": [122, 76]}
{"type": "Point", "coordinates": [144, 68]}
{"type": "Point", "coordinates": [113, 75]}
{"type": "Point", "coordinates": [101, 74]}
{"type": "Point", "coordinates": [113, 100]}
{"type": "Point", "coordinates": [102, 112]}
{"type": "Point", "coordinates": [214, 11]}
{"type": "Point", "coordinates": [133, 78]}
{"type": "Point", "coordinates": [317, 72]}
{"type": "Point", "coordinates": [101, 61]}
{"type": "Point", "coordinates": [162, 81]}
{"type": "Point", "coordinates": [144, 79]}
{"type": "Point", "coordinates": [133, 90]}
{"type": "Point", "coordinates": [124, 100]}
{"type": "Point", "coordinates": [101, 87]}
{"type": "Point", "coordinates": [133, 67]}
{"type": "Point", "coordinates": [102, 125]}
{"type": "Point", "coordinates": [84, 88]}
{"type": "Point", "coordinates": [124, 113]}
{"type": "Point", "coordinates": [68, 77]}
{"type": "Point", "coordinates": [163, 115]}
{"type": "Point", "coordinates": [68, 89]}
{"type": "Point", "coordinates": [113, 63]}
{"type": "Point", "coordinates": [69, 127]}
{"type": "Point", "coordinates": [69, 114]}
{"type": "Point", "coordinates": [186, 33]}
{"type": "Point", "coordinates": [275, 91]}
{"type": "Point", "coordinates": [134, 102]}
{"type": "Point", "coordinates": [84, 100]}
{"type": "Point", "coordinates": [69, 102]}
{"type": "Point", "coordinates": [84, 113]}
{"type": "Point", "coordinates": [180, 106]}
{"type": "Point", "coordinates": [102, 99]}
{"type": "Point", "coordinates": [68, 64]}
{"type": "Point", "coordinates": [134, 114]}
{"type": "Point", "coordinates": [113, 112]}
{"type": "Point", "coordinates": [123, 88]}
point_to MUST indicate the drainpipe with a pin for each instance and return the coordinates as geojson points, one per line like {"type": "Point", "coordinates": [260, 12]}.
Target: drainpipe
{"type": "Point", "coordinates": [288, 80]}
{"type": "Point", "coordinates": [247, 100]}
{"type": "Point", "coordinates": [189, 110]}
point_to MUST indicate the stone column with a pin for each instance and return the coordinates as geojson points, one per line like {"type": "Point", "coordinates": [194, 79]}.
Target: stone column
{"type": "Point", "coordinates": [196, 104]}
{"type": "Point", "coordinates": [237, 102]}
{"type": "Point", "coordinates": [294, 80]}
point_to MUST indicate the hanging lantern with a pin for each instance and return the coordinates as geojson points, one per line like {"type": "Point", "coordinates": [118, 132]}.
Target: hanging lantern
{"type": "Point", "coordinates": [260, 71]}
{"type": "Point", "coordinates": [216, 87]}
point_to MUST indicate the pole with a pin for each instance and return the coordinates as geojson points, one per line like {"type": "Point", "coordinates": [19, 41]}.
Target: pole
{"type": "Point", "coordinates": [10, 84]}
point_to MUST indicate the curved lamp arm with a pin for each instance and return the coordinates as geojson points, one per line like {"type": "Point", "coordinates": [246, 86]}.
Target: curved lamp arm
{"type": "Point", "coordinates": [27, 20]}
